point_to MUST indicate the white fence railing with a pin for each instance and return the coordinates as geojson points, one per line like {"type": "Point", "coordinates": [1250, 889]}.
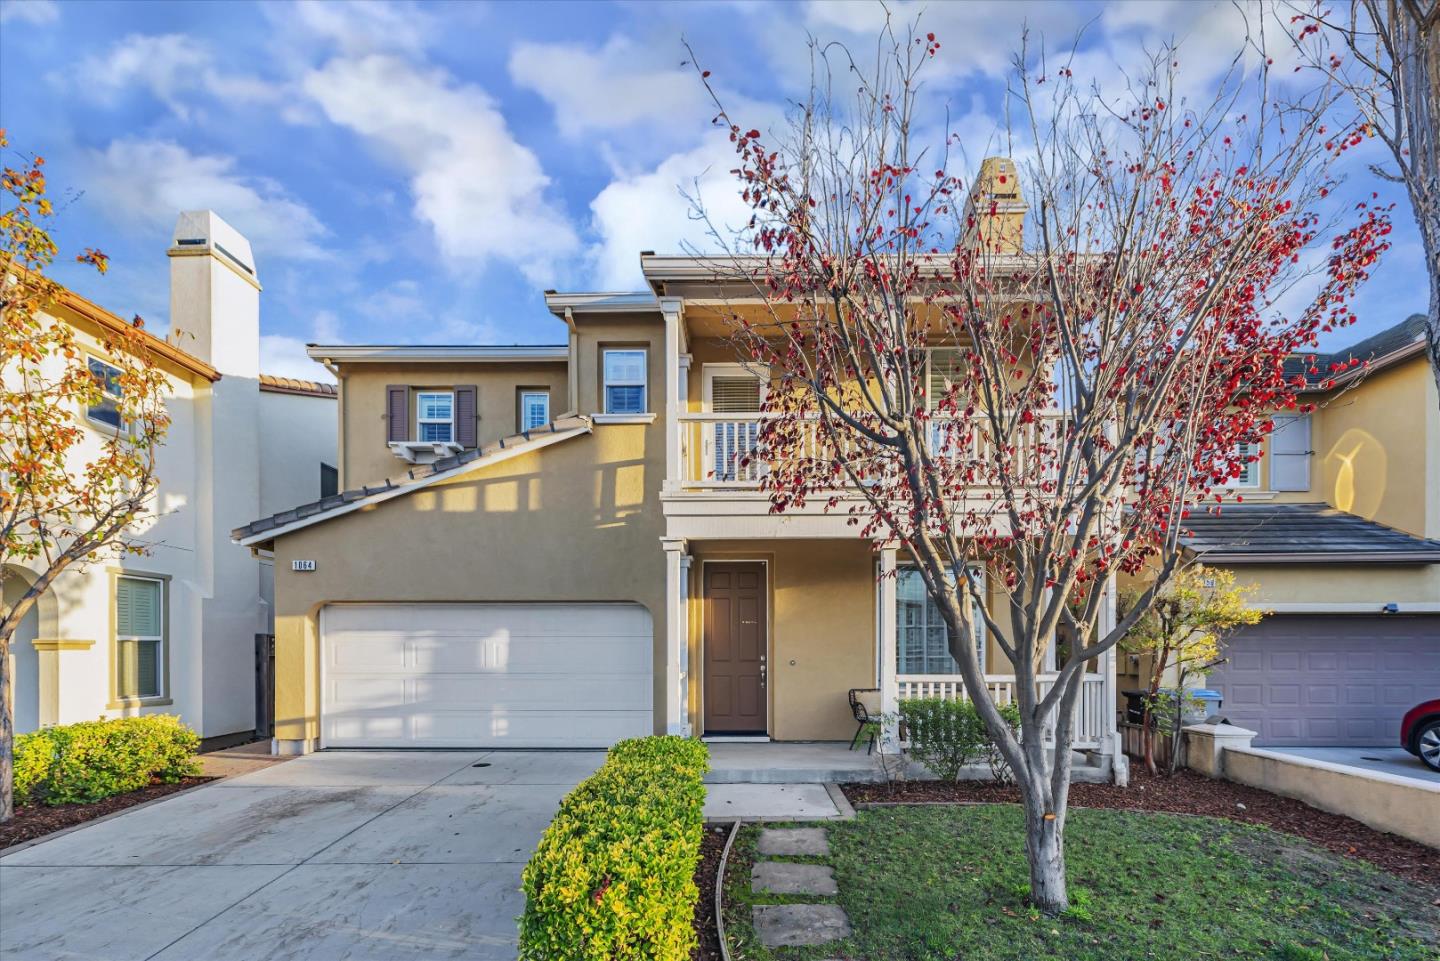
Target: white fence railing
{"type": "Point", "coordinates": [1090, 712]}
{"type": "Point", "coordinates": [719, 450]}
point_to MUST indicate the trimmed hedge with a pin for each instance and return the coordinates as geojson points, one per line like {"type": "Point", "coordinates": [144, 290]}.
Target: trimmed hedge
{"type": "Point", "coordinates": [91, 760]}
{"type": "Point", "coordinates": [613, 877]}
{"type": "Point", "coordinates": [946, 735]}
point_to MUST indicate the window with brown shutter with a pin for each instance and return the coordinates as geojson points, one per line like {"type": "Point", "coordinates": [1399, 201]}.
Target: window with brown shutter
{"type": "Point", "coordinates": [397, 413]}
{"type": "Point", "coordinates": [466, 412]}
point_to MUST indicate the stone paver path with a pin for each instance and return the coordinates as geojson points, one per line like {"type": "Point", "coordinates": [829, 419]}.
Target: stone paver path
{"type": "Point", "coordinates": [794, 925]}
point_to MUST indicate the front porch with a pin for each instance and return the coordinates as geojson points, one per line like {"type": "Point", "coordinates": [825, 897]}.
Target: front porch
{"type": "Point", "coordinates": [833, 762]}
{"type": "Point", "coordinates": [767, 637]}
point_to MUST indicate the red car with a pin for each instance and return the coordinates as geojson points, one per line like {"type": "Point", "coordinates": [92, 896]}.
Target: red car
{"type": "Point", "coordinates": [1420, 733]}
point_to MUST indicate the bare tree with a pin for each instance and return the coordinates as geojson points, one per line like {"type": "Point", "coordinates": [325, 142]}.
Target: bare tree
{"type": "Point", "coordinates": [1386, 55]}
{"type": "Point", "coordinates": [1107, 339]}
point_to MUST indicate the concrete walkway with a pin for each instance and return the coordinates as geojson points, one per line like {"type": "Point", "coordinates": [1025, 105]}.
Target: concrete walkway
{"type": "Point", "coordinates": [359, 855]}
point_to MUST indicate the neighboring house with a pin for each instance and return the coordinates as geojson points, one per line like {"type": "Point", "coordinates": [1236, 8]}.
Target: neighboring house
{"type": "Point", "coordinates": [175, 630]}
{"type": "Point", "coordinates": [557, 546]}
{"type": "Point", "coordinates": [1339, 526]}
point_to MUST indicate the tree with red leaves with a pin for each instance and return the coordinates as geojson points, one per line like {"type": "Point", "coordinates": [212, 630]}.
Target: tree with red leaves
{"type": "Point", "coordinates": [1113, 353]}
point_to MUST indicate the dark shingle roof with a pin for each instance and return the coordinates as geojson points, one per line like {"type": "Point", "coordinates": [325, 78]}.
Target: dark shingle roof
{"type": "Point", "coordinates": [1409, 331]}
{"type": "Point", "coordinates": [1302, 533]}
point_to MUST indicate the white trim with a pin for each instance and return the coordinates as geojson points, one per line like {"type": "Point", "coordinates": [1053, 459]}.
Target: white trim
{"type": "Point", "coordinates": [524, 420]}
{"type": "Point", "coordinates": [601, 302]}
{"type": "Point", "coordinates": [1347, 607]}
{"type": "Point", "coordinates": [421, 420]}
{"type": "Point", "coordinates": [415, 353]}
{"type": "Point", "coordinates": [484, 460]}
{"type": "Point", "coordinates": [624, 418]}
{"type": "Point", "coordinates": [643, 382]}
{"type": "Point", "coordinates": [708, 373]}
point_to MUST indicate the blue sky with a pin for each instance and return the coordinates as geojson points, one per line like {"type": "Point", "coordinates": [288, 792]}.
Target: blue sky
{"type": "Point", "coordinates": [420, 173]}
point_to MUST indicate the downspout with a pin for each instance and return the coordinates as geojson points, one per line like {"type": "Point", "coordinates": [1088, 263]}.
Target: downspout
{"type": "Point", "coordinates": [572, 366]}
{"type": "Point", "coordinates": [334, 371]}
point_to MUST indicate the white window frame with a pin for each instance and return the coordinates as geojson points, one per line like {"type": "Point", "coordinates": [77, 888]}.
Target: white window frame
{"type": "Point", "coordinates": [122, 426]}
{"type": "Point", "coordinates": [158, 639]}
{"type": "Point", "coordinates": [525, 397]}
{"type": "Point", "coordinates": [642, 382]}
{"type": "Point", "coordinates": [982, 638]}
{"type": "Point", "coordinates": [1242, 451]}
{"type": "Point", "coordinates": [421, 420]}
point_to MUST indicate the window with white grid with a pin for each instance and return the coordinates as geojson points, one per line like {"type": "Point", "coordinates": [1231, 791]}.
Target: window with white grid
{"type": "Point", "coordinates": [139, 636]}
{"type": "Point", "coordinates": [625, 382]}
{"type": "Point", "coordinates": [435, 416]}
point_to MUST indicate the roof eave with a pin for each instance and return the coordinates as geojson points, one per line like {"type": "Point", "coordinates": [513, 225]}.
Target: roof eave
{"type": "Point", "coordinates": [420, 354]}
{"type": "Point", "coordinates": [1320, 557]}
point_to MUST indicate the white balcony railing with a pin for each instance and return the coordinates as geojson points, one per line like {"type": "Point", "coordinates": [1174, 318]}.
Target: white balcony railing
{"type": "Point", "coordinates": [719, 450]}
{"type": "Point", "coordinates": [1090, 720]}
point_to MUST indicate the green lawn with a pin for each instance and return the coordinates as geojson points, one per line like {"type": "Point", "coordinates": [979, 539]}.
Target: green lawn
{"type": "Point", "coordinates": [948, 883]}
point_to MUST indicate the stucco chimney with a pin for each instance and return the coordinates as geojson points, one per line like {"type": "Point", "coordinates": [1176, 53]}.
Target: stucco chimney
{"type": "Point", "coordinates": [214, 294]}
{"type": "Point", "coordinates": [997, 207]}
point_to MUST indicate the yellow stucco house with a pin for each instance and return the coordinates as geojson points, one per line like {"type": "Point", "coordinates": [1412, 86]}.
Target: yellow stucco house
{"type": "Point", "coordinates": [1338, 524]}
{"type": "Point", "coordinates": [558, 546]}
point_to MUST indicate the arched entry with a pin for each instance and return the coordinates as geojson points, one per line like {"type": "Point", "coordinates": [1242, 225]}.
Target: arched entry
{"type": "Point", "coordinates": [24, 659]}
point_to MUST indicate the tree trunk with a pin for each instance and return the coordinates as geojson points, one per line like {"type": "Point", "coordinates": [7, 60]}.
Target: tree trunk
{"type": "Point", "coordinates": [1045, 849]}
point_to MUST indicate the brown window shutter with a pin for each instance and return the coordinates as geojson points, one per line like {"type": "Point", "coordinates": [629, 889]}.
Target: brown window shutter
{"type": "Point", "coordinates": [465, 415]}
{"type": "Point", "coordinates": [397, 413]}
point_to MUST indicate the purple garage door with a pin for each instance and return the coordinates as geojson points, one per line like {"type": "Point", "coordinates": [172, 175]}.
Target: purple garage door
{"type": "Point", "coordinates": [1321, 680]}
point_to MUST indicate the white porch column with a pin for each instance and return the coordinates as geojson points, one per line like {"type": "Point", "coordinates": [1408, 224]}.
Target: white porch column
{"type": "Point", "coordinates": [889, 686]}
{"type": "Point", "coordinates": [674, 347]}
{"type": "Point", "coordinates": [677, 699]}
{"type": "Point", "coordinates": [1110, 736]}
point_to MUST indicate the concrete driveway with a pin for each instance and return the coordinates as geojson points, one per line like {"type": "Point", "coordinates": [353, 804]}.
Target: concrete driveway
{"type": "Point", "coordinates": [1385, 760]}
{"type": "Point", "coordinates": [380, 855]}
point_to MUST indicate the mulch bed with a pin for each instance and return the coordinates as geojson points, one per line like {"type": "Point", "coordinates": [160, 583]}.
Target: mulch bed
{"type": "Point", "coordinates": [711, 847]}
{"type": "Point", "coordinates": [1190, 793]}
{"type": "Point", "coordinates": [36, 820]}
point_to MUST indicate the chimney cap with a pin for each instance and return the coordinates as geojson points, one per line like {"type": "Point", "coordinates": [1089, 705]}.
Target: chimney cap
{"type": "Point", "coordinates": [206, 230]}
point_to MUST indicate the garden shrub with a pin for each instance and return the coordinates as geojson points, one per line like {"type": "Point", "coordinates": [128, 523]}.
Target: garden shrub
{"type": "Point", "coordinates": [946, 734]}
{"type": "Point", "coordinates": [91, 760]}
{"type": "Point", "coordinates": [613, 877]}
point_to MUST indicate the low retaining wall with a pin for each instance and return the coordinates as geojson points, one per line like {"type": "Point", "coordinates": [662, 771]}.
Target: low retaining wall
{"type": "Point", "coordinates": [1385, 802]}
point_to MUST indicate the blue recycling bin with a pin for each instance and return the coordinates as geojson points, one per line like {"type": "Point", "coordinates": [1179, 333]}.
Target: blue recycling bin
{"type": "Point", "coordinates": [1209, 701]}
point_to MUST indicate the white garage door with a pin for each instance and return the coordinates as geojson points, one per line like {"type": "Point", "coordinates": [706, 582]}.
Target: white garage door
{"type": "Point", "coordinates": [483, 675]}
{"type": "Point", "coordinates": [1329, 680]}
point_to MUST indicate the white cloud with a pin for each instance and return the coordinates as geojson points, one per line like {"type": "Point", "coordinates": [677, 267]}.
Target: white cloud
{"type": "Point", "coordinates": [327, 328]}
{"type": "Point", "coordinates": [648, 211]}
{"type": "Point", "coordinates": [285, 357]}
{"type": "Point", "coordinates": [608, 88]}
{"type": "Point", "coordinates": [365, 27]}
{"type": "Point", "coordinates": [35, 12]}
{"type": "Point", "coordinates": [173, 67]}
{"type": "Point", "coordinates": [150, 181]}
{"type": "Point", "coordinates": [481, 192]}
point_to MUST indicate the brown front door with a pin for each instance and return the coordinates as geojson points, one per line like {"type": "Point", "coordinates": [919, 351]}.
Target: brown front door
{"type": "Point", "coordinates": [734, 643]}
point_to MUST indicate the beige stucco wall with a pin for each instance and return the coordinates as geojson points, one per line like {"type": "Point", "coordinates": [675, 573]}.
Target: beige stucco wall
{"type": "Point", "coordinates": [1338, 584]}
{"type": "Point", "coordinates": [367, 459]}
{"type": "Point", "coordinates": [1377, 450]}
{"type": "Point", "coordinates": [577, 521]}
{"type": "Point", "coordinates": [822, 618]}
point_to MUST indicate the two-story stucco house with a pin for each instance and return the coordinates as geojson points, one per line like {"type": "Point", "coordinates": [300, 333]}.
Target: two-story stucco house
{"type": "Point", "coordinates": [556, 546]}
{"type": "Point", "coordinates": [175, 630]}
{"type": "Point", "coordinates": [1339, 528]}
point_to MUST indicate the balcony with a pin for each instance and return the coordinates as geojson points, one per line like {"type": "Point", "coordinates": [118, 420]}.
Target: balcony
{"type": "Point", "coordinates": [718, 451]}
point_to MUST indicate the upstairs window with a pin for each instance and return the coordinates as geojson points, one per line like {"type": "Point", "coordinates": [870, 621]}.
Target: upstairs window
{"type": "Point", "coordinates": [435, 416]}
{"type": "Point", "coordinates": [1249, 469]}
{"type": "Point", "coordinates": [625, 382]}
{"type": "Point", "coordinates": [534, 409]}
{"type": "Point", "coordinates": [107, 378]}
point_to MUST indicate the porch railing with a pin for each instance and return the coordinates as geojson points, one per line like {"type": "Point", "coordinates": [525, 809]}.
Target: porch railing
{"type": "Point", "coordinates": [1090, 719]}
{"type": "Point", "coordinates": [719, 450]}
